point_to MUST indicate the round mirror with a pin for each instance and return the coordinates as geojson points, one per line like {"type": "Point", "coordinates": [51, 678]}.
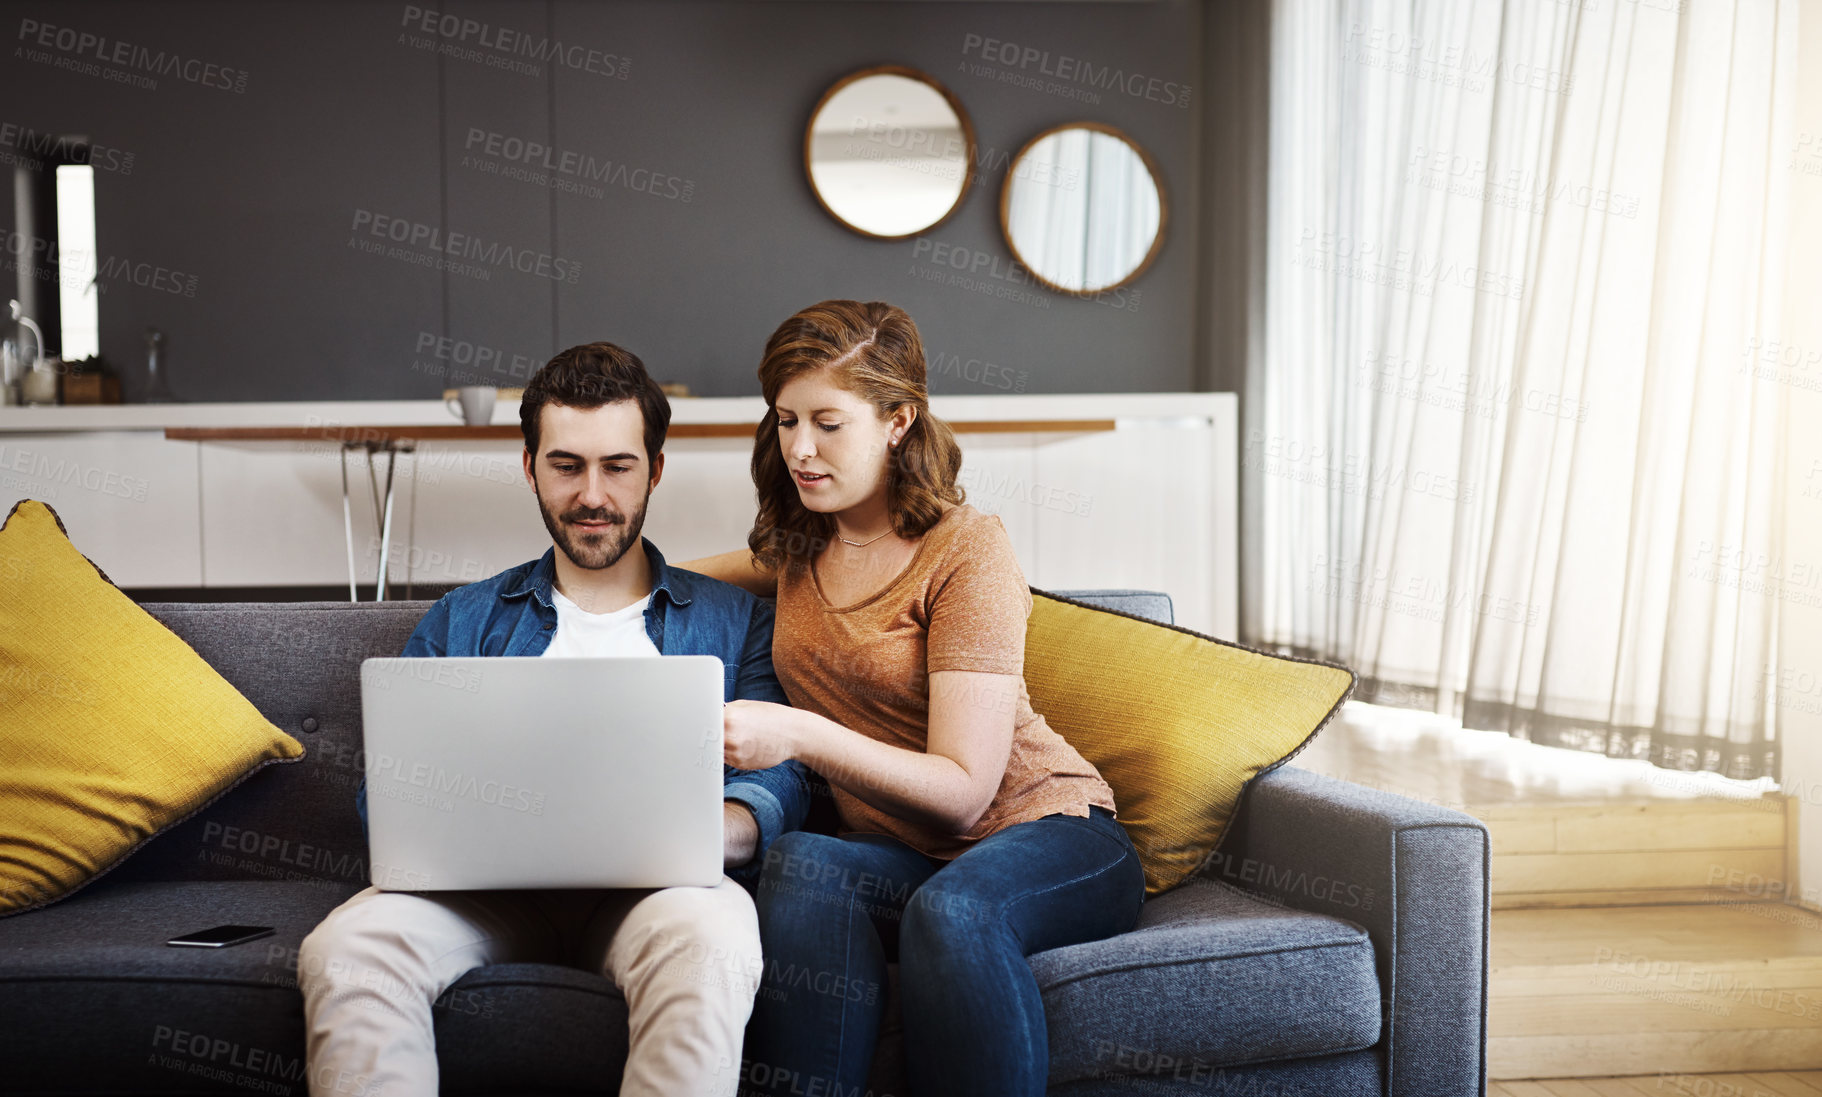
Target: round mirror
{"type": "Point", "coordinates": [887, 152]}
{"type": "Point", "coordinates": [1083, 209]}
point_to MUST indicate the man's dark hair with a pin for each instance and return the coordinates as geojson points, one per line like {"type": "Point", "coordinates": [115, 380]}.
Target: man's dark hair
{"type": "Point", "coordinates": [590, 376]}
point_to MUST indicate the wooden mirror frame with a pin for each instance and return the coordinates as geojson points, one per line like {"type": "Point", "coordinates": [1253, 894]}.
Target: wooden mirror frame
{"type": "Point", "coordinates": [1157, 179]}
{"type": "Point", "coordinates": [967, 124]}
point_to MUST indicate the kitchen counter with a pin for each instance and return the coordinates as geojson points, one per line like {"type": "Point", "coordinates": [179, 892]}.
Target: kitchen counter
{"type": "Point", "coordinates": [708, 409]}
{"type": "Point", "coordinates": [1095, 490]}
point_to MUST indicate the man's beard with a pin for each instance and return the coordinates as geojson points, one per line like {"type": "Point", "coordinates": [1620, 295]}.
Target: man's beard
{"type": "Point", "coordinates": [594, 551]}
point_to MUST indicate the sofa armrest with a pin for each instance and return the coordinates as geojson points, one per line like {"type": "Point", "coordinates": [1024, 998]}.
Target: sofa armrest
{"type": "Point", "coordinates": [1414, 875]}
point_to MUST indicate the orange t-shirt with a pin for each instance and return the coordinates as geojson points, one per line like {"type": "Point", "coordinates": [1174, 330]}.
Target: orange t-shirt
{"type": "Point", "coordinates": [960, 604]}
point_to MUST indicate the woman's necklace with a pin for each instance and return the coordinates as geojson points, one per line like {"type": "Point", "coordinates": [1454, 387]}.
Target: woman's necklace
{"type": "Point", "coordinates": [861, 544]}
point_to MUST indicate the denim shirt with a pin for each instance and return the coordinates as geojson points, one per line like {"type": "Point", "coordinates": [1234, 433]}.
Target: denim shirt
{"type": "Point", "coordinates": [689, 614]}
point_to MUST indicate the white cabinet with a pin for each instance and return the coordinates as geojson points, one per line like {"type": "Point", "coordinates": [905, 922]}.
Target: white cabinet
{"type": "Point", "coordinates": [1149, 505]}
{"type": "Point", "coordinates": [272, 513]}
{"type": "Point", "coordinates": [464, 512]}
{"type": "Point", "coordinates": [127, 499]}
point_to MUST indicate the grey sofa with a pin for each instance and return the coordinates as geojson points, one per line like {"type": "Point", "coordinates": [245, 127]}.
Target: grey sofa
{"type": "Point", "coordinates": [1335, 946]}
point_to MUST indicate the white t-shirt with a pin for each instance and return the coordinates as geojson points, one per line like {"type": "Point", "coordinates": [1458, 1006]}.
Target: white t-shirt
{"type": "Point", "coordinates": [594, 635]}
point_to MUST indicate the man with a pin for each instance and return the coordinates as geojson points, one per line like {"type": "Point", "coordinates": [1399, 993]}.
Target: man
{"type": "Point", "coordinates": [594, 426]}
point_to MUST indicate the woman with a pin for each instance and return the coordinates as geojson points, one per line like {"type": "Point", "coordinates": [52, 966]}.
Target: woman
{"type": "Point", "coordinates": [972, 835]}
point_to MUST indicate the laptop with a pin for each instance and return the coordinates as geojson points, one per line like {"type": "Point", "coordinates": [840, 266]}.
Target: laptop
{"type": "Point", "coordinates": [535, 772]}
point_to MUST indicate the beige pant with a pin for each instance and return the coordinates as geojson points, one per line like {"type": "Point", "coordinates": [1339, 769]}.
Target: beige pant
{"type": "Point", "coordinates": [687, 960]}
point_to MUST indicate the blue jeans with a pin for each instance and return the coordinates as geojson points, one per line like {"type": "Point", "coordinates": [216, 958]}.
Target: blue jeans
{"type": "Point", "coordinates": [832, 911]}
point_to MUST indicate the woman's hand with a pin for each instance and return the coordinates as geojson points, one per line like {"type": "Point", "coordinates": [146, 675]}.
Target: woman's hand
{"type": "Point", "coordinates": [758, 734]}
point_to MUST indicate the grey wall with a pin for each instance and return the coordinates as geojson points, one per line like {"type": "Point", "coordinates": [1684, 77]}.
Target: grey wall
{"type": "Point", "coordinates": [255, 194]}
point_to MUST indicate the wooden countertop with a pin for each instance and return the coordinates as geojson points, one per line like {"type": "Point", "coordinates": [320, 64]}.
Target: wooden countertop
{"type": "Point", "coordinates": [722, 417]}
{"type": "Point", "coordinates": [356, 435]}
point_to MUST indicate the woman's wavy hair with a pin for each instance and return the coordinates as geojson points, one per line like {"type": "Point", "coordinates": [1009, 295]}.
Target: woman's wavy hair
{"type": "Point", "coordinates": [875, 353]}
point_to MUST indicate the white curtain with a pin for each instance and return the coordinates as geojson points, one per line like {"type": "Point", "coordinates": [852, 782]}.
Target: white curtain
{"type": "Point", "coordinates": [1505, 448]}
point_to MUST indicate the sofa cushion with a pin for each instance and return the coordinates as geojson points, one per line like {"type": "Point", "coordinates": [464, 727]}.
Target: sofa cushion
{"type": "Point", "coordinates": [1153, 605]}
{"type": "Point", "coordinates": [299, 662]}
{"type": "Point", "coordinates": [1177, 722]}
{"type": "Point", "coordinates": [1213, 976]}
{"type": "Point", "coordinates": [112, 729]}
{"type": "Point", "coordinates": [1351, 1074]}
{"type": "Point", "coordinates": [105, 1005]}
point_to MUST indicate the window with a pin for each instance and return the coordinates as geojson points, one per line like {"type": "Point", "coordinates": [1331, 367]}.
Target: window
{"type": "Point", "coordinates": [79, 299]}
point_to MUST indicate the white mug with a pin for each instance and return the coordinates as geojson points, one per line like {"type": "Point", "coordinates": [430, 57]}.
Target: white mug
{"type": "Point", "coordinates": [476, 404]}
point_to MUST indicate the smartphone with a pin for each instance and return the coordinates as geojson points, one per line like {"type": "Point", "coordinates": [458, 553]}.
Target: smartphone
{"type": "Point", "coordinates": [221, 937]}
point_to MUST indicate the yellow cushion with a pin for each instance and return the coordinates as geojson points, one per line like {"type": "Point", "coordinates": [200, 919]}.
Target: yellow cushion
{"type": "Point", "coordinates": [1177, 722]}
{"type": "Point", "coordinates": [111, 728]}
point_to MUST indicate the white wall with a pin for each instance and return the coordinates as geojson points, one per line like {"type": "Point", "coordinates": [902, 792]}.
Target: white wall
{"type": "Point", "coordinates": [1800, 638]}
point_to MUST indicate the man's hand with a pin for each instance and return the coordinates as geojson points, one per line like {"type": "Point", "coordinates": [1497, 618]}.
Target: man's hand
{"type": "Point", "coordinates": [758, 734]}
{"type": "Point", "coordinates": [740, 834]}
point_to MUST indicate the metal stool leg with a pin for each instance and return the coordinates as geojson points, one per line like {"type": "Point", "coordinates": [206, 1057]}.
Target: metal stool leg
{"type": "Point", "coordinates": [348, 524]}
{"type": "Point", "coordinates": [379, 506]}
{"type": "Point", "coordinates": [392, 456]}
{"type": "Point", "coordinates": [411, 519]}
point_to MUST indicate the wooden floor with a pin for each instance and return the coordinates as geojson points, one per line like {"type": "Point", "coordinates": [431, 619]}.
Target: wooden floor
{"type": "Point", "coordinates": [1802, 1083]}
{"type": "Point", "coordinates": [1645, 941]}
{"type": "Point", "coordinates": [1622, 991]}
